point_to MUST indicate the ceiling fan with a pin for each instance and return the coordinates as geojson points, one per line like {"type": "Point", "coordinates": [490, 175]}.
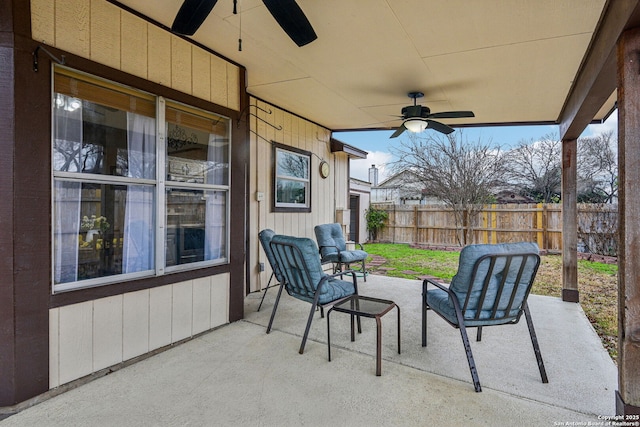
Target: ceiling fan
{"type": "Point", "coordinates": [287, 13]}
{"type": "Point", "coordinates": [418, 118]}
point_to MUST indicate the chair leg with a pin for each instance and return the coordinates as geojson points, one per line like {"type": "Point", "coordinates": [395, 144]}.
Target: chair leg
{"type": "Point", "coordinates": [472, 364]}
{"type": "Point", "coordinates": [364, 271]}
{"type": "Point", "coordinates": [275, 307]}
{"type": "Point", "coordinates": [534, 341]}
{"type": "Point", "coordinates": [306, 329]}
{"type": "Point", "coordinates": [265, 291]}
{"type": "Point", "coordinates": [467, 347]}
{"type": "Point", "coordinates": [424, 314]}
{"type": "Point", "coordinates": [479, 334]}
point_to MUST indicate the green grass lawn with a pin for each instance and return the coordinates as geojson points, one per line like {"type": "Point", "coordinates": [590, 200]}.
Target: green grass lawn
{"type": "Point", "coordinates": [597, 282]}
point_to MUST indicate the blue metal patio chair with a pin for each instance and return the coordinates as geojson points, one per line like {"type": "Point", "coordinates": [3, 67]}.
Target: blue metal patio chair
{"type": "Point", "coordinates": [265, 237]}
{"type": "Point", "coordinates": [490, 288]}
{"type": "Point", "coordinates": [333, 248]}
{"type": "Point", "coordinates": [303, 278]}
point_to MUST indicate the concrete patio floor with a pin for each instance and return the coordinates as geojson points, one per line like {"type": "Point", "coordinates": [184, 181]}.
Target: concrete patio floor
{"type": "Point", "coordinates": [239, 376]}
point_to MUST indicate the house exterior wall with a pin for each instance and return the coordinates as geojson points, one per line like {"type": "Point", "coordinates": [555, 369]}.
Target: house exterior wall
{"type": "Point", "coordinates": [95, 334]}
{"type": "Point", "coordinates": [363, 191]}
{"type": "Point", "coordinates": [48, 339]}
{"type": "Point", "coordinates": [327, 195]}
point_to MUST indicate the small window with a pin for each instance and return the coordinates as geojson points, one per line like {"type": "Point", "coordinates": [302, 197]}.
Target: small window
{"type": "Point", "coordinates": [292, 180]}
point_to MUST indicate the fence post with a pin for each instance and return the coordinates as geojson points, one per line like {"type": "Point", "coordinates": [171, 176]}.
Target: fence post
{"type": "Point", "coordinates": [393, 236]}
{"type": "Point", "coordinates": [486, 219]}
{"type": "Point", "coordinates": [494, 224]}
{"type": "Point", "coordinates": [415, 224]}
{"type": "Point", "coordinates": [545, 226]}
{"type": "Point", "coordinates": [540, 225]}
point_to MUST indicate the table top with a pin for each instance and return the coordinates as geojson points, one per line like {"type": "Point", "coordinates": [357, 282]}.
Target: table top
{"type": "Point", "coordinates": [364, 306]}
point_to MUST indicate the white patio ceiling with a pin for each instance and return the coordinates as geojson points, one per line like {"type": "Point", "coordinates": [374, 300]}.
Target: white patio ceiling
{"type": "Point", "coordinates": [509, 61]}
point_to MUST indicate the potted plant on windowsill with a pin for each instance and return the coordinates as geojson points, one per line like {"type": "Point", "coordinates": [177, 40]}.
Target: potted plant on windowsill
{"type": "Point", "coordinates": [94, 226]}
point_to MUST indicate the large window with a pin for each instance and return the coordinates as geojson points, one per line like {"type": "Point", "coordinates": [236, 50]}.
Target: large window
{"type": "Point", "coordinates": [114, 217]}
{"type": "Point", "coordinates": [292, 179]}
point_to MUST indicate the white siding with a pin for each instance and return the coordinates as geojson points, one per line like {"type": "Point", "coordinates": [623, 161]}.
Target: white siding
{"type": "Point", "coordinates": [93, 335]}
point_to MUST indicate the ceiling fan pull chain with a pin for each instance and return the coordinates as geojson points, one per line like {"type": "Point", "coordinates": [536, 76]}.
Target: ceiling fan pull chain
{"type": "Point", "coordinates": [235, 11]}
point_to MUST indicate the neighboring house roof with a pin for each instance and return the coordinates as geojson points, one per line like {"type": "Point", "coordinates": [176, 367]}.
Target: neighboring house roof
{"type": "Point", "coordinates": [402, 178]}
{"type": "Point", "coordinates": [503, 197]}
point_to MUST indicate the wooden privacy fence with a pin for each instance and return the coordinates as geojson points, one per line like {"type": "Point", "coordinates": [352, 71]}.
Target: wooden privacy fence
{"type": "Point", "coordinates": [540, 223]}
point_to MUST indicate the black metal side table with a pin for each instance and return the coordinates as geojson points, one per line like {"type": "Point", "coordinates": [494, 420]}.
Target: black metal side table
{"type": "Point", "coordinates": [358, 305]}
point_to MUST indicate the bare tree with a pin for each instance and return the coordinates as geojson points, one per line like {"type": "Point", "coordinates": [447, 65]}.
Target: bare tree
{"type": "Point", "coordinates": [598, 168]}
{"type": "Point", "coordinates": [463, 174]}
{"type": "Point", "coordinates": [535, 169]}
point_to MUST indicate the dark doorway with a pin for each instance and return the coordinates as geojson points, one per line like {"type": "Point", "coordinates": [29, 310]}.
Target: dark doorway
{"type": "Point", "coordinates": [354, 219]}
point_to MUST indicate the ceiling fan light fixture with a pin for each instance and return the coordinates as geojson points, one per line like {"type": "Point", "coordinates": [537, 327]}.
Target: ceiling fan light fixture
{"type": "Point", "coordinates": [415, 125]}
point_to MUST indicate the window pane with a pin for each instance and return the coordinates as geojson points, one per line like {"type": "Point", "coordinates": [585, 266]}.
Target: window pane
{"type": "Point", "coordinates": [292, 165]}
{"type": "Point", "coordinates": [97, 139]}
{"type": "Point", "coordinates": [291, 192]}
{"type": "Point", "coordinates": [102, 230]}
{"type": "Point", "coordinates": [196, 226]}
{"type": "Point", "coordinates": [197, 148]}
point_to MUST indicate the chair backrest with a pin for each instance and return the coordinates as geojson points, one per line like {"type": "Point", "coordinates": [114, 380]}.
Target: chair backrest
{"type": "Point", "coordinates": [493, 281]}
{"type": "Point", "coordinates": [330, 238]}
{"type": "Point", "coordinates": [265, 237]}
{"type": "Point", "coordinates": [299, 263]}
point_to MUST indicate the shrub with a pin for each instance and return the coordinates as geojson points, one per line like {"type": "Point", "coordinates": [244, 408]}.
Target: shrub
{"type": "Point", "coordinates": [376, 220]}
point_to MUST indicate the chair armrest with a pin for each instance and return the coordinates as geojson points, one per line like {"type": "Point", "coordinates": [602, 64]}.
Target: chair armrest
{"type": "Point", "coordinates": [361, 247]}
{"type": "Point", "coordinates": [341, 273]}
{"type": "Point", "coordinates": [328, 246]}
{"type": "Point", "coordinates": [425, 282]}
{"type": "Point", "coordinates": [451, 294]}
{"type": "Point", "coordinates": [329, 276]}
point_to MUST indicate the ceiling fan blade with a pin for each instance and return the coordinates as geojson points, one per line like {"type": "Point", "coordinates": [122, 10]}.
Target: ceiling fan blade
{"type": "Point", "coordinates": [398, 131]}
{"type": "Point", "coordinates": [451, 115]}
{"type": "Point", "coordinates": [191, 15]}
{"type": "Point", "coordinates": [292, 20]}
{"type": "Point", "coordinates": [440, 127]}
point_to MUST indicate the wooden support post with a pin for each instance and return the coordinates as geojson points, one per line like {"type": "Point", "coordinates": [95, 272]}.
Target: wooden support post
{"type": "Point", "coordinates": [569, 222]}
{"type": "Point", "coordinates": [628, 394]}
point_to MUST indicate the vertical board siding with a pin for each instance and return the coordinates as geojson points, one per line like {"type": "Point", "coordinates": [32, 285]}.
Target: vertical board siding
{"type": "Point", "coordinates": [107, 332]}
{"type": "Point", "coordinates": [94, 335]}
{"type": "Point", "coordinates": [100, 31]}
{"type": "Point", "coordinates": [41, 23]}
{"type": "Point", "coordinates": [105, 33]}
{"type": "Point", "coordinates": [75, 342]}
{"type": "Point", "coordinates": [267, 124]}
{"type": "Point", "coordinates": [135, 324]}
{"type": "Point", "coordinates": [181, 65]}
{"type": "Point", "coordinates": [72, 26]}
{"type": "Point", "coordinates": [160, 56]}
{"type": "Point", "coordinates": [134, 48]}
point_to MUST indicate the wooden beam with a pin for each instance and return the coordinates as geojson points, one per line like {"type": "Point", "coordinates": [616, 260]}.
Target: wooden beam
{"type": "Point", "coordinates": [569, 221]}
{"type": "Point", "coordinates": [628, 397]}
{"type": "Point", "coordinates": [596, 79]}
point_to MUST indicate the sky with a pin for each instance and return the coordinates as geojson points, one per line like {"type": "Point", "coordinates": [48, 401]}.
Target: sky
{"type": "Point", "coordinates": [378, 144]}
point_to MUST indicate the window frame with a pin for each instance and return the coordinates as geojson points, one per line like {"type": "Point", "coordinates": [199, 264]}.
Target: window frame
{"type": "Point", "coordinates": [277, 206]}
{"type": "Point", "coordinates": [160, 184]}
